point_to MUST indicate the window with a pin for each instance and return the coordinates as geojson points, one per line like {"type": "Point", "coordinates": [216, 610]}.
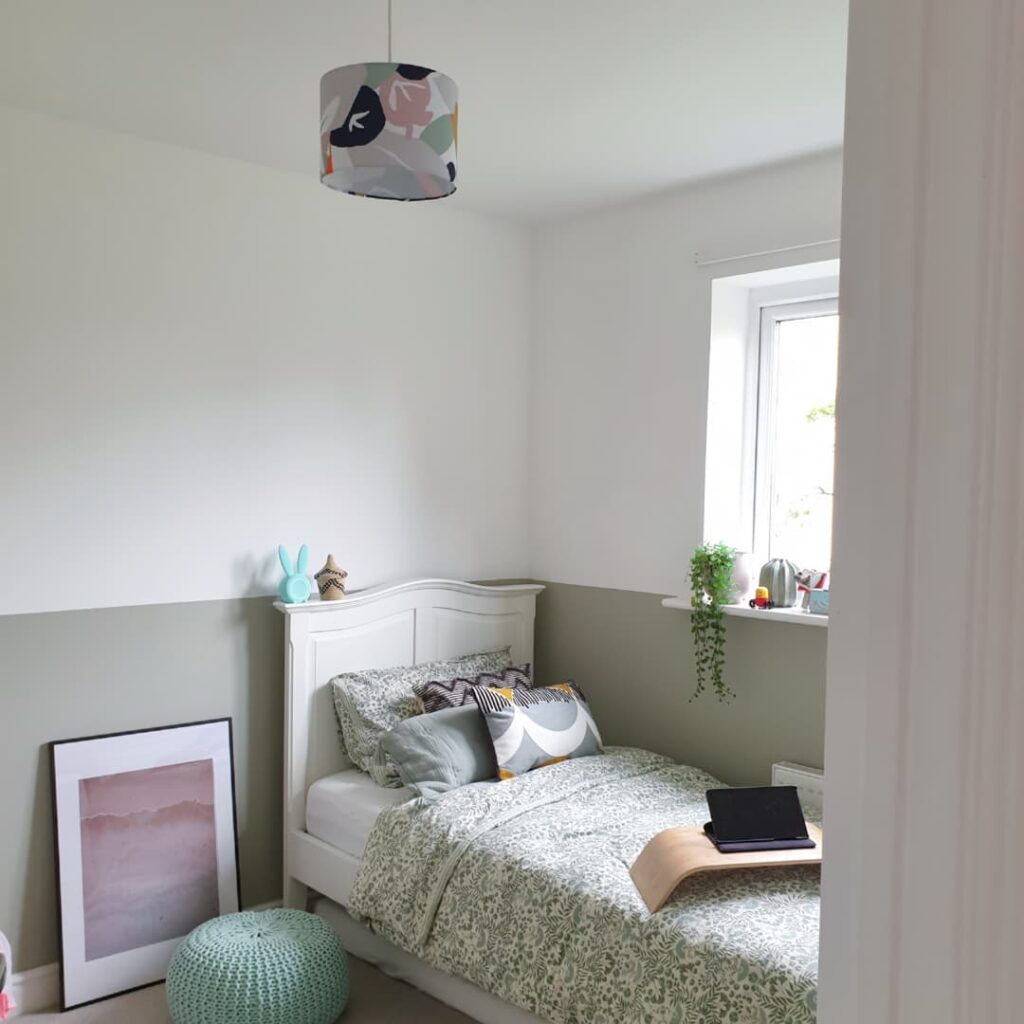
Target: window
{"type": "Point", "coordinates": [770, 443]}
{"type": "Point", "coordinates": [794, 452]}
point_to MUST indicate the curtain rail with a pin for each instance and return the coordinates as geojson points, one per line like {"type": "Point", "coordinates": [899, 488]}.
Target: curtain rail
{"type": "Point", "coordinates": [764, 252]}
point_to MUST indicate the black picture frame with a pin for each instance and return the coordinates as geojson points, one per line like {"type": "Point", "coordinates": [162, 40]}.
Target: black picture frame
{"type": "Point", "coordinates": [223, 789]}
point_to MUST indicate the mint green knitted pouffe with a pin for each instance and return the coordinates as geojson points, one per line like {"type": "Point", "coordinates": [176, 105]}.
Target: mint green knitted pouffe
{"type": "Point", "coordinates": [258, 967]}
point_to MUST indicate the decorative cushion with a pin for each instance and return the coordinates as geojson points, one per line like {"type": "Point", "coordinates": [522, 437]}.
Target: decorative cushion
{"type": "Point", "coordinates": [441, 751]}
{"type": "Point", "coordinates": [438, 694]}
{"type": "Point", "coordinates": [533, 728]}
{"type": "Point", "coordinates": [368, 704]}
{"type": "Point", "coordinates": [266, 967]}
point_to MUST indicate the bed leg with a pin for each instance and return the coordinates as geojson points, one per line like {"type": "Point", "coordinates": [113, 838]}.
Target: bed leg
{"type": "Point", "coordinates": [295, 894]}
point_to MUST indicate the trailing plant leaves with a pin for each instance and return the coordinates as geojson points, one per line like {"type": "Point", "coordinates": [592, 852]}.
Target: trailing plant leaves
{"type": "Point", "coordinates": [711, 584]}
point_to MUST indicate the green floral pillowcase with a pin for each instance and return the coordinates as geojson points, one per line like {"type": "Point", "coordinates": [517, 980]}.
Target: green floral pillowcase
{"type": "Point", "coordinates": [368, 704]}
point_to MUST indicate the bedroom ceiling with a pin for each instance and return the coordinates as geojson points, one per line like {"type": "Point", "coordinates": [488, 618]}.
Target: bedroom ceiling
{"type": "Point", "coordinates": [565, 104]}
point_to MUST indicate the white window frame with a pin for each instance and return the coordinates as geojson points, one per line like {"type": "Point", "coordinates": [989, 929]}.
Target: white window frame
{"type": "Point", "coordinates": [763, 363]}
{"type": "Point", "coordinates": [730, 444]}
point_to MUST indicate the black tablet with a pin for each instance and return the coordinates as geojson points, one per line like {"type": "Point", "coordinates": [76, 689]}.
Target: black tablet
{"type": "Point", "coordinates": [757, 818]}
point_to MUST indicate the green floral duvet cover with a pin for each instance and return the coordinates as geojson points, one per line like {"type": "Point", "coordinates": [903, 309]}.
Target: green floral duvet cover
{"type": "Point", "coordinates": [523, 887]}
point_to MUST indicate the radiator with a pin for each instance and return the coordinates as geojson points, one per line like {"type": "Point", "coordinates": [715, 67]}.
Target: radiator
{"type": "Point", "coordinates": [809, 782]}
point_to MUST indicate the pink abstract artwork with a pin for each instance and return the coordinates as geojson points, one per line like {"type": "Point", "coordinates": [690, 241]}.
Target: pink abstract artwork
{"type": "Point", "coordinates": [149, 856]}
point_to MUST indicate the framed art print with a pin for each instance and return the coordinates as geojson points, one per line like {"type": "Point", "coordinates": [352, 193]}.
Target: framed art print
{"type": "Point", "coordinates": [147, 848]}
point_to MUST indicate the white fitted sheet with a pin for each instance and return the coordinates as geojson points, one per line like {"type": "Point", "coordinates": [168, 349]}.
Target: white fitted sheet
{"type": "Point", "coordinates": [342, 808]}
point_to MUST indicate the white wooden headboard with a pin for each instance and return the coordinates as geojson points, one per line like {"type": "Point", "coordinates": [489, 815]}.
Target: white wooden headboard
{"type": "Point", "coordinates": [399, 624]}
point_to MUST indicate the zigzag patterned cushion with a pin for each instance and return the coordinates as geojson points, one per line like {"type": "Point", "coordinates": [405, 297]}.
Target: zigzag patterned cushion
{"type": "Point", "coordinates": [438, 694]}
{"type": "Point", "coordinates": [534, 728]}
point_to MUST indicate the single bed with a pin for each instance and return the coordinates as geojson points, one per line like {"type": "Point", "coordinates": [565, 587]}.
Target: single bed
{"type": "Point", "coordinates": [511, 901]}
{"type": "Point", "coordinates": [403, 624]}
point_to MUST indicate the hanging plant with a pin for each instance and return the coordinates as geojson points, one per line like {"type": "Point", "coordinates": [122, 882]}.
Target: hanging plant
{"type": "Point", "coordinates": [711, 582]}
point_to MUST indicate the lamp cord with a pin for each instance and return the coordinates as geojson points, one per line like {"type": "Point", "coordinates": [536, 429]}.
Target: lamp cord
{"type": "Point", "coordinates": [389, 31]}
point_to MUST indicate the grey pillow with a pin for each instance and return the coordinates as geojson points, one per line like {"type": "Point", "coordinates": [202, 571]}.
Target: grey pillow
{"type": "Point", "coordinates": [441, 751]}
{"type": "Point", "coordinates": [370, 703]}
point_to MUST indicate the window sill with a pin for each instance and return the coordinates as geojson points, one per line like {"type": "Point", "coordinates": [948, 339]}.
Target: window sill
{"type": "Point", "coordinates": [797, 616]}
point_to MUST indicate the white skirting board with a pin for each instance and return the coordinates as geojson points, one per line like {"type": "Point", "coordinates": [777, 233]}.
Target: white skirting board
{"type": "Point", "coordinates": [38, 990]}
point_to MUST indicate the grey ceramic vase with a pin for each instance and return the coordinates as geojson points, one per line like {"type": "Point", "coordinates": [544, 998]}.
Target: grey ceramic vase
{"type": "Point", "coordinates": [779, 576]}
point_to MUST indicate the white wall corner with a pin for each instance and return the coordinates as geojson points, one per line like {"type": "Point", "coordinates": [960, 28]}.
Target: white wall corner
{"type": "Point", "coordinates": [621, 367]}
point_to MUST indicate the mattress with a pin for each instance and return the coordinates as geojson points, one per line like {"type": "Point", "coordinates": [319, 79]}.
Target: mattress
{"type": "Point", "coordinates": [342, 808]}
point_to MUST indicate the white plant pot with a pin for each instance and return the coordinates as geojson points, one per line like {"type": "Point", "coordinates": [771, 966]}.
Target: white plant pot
{"type": "Point", "coordinates": [743, 575]}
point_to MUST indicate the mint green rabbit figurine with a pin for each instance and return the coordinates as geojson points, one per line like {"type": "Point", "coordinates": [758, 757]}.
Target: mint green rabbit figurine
{"type": "Point", "coordinates": [295, 588]}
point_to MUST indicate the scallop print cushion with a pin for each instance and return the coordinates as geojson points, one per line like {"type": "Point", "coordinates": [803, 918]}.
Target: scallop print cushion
{"type": "Point", "coordinates": [534, 728]}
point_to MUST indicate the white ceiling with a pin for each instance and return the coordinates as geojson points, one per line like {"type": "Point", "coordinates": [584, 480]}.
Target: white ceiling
{"type": "Point", "coordinates": [564, 104]}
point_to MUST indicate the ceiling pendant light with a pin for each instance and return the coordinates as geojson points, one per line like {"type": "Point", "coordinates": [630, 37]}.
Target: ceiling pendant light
{"type": "Point", "coordinates": [389, 131]}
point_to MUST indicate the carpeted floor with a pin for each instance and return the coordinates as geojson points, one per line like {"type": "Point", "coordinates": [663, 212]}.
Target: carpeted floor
{"type": "Point", "coordinates": [376, 999]}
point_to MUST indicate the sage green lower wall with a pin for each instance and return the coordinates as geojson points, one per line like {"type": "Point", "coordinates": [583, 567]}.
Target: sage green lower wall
{"type": "Point", "coordinates": [69, 674]}
{"type": "Point", "coordinates": [634, 660]}
{"type": "Point", "coordinates": [79, 673]}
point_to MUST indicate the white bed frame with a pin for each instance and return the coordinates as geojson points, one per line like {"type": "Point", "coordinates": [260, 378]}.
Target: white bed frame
{"type": "Point", "coordinates": [402, 624]}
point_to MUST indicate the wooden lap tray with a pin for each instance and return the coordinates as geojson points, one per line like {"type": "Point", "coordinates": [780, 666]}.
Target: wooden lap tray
{"type": "Point", "coordinates": [677, 853]}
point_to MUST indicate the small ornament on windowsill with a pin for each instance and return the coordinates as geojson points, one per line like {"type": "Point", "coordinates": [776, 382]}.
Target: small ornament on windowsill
{"type": "Point", "coordinates": [808, 582]}
{"type": "Point", "coordinates": [330, 580]}
{"type": "Point", "coordinates": [779, 576]}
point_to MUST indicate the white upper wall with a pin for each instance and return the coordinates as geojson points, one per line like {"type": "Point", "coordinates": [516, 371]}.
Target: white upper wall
{"type": "Point", "coordinates": [621, 366]}
{"type": "Point", "coordinates": [201, 358]}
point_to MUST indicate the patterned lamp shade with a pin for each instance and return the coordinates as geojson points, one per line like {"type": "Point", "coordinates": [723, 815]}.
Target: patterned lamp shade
{"type": "Point", "coordinates": [389, 131]}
